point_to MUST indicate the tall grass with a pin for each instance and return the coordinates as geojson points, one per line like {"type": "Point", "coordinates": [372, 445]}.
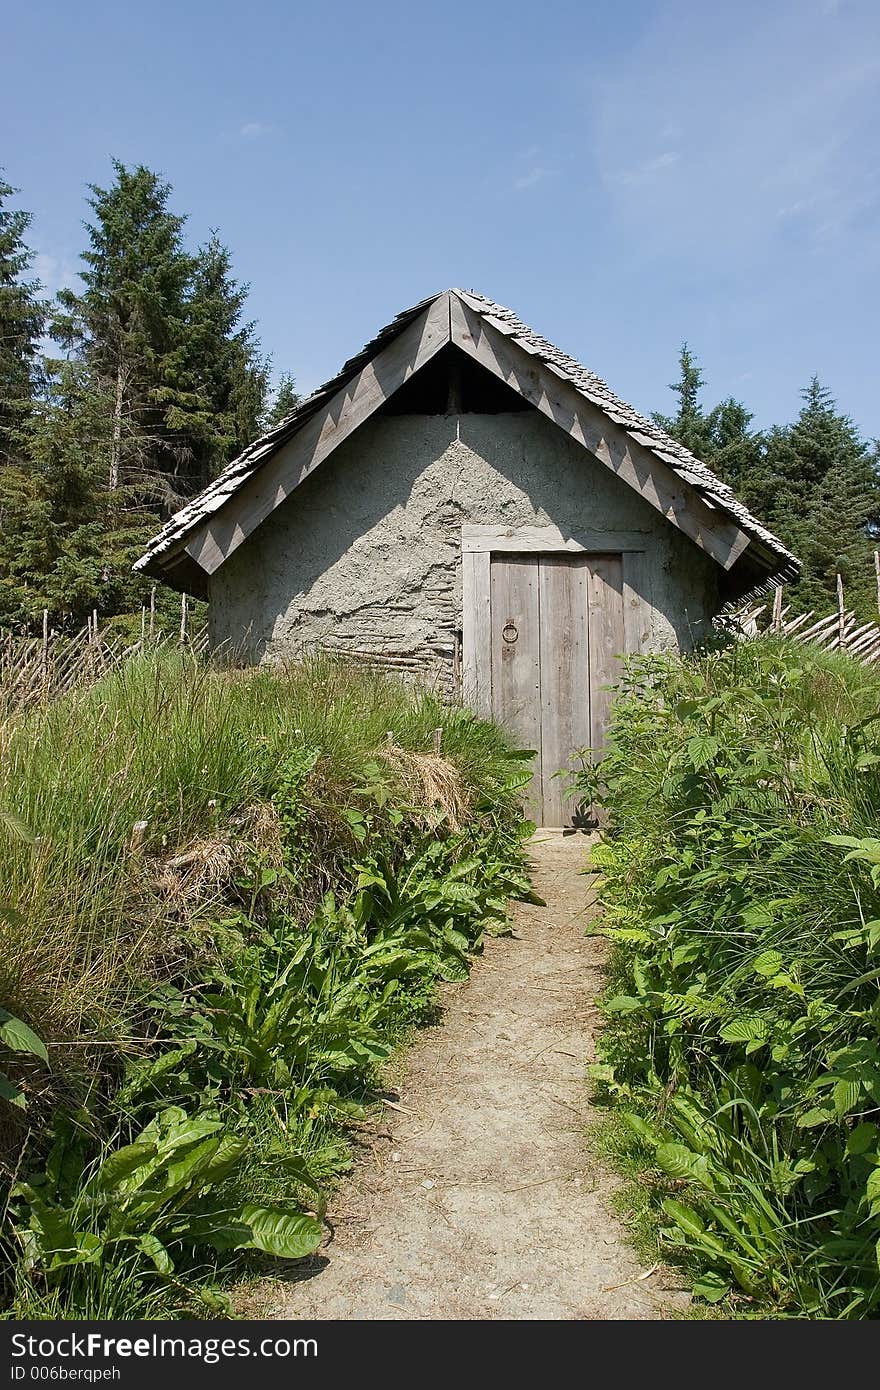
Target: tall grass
{"type": "Point", "coordinates": [742, 882]}
{"type": "Point", "coordinates": [175, 830]}
{"type": "Point", "coordinates": [183, 748]}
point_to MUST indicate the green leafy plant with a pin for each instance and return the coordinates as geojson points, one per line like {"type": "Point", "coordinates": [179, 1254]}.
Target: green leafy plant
{"type": "Point", "coordinates": [16, 1036]}
{"type": "Point", "coordinates": [742, 894]}
{"type": "Point", "coordinates": [159, 1197]}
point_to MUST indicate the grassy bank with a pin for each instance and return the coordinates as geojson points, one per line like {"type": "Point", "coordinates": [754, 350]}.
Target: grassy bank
{"type": "Point", "coordinates": [741, 1052]}
{"type": "Point", "coordinates": [225, 897]}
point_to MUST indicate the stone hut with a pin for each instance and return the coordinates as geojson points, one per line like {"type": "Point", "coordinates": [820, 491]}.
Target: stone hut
{"type": "Point", "coordinates": [466, 502]}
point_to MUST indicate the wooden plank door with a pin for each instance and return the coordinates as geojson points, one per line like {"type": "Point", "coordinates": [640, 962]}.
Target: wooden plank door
{"type": "Point", "coordinates": [556, 631]}
{"type": "Point", "coordinates": [516, 659]}
{"type": "Point", "coordinates": [605, 593]}
{"type": "Point", "coordinates": [563, 582]}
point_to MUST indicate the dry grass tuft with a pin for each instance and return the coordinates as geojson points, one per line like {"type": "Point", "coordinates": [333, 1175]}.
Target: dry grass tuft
{"type": "Point", "coordinates": [431, 781]}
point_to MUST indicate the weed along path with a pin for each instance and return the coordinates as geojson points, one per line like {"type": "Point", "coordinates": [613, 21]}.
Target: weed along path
{"type": "Point", "coordinates": [475, 1197]}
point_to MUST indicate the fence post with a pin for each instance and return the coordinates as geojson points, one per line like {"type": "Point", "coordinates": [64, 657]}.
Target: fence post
{"type": "Point", "coordinates": [877, 572]}
{"type": "Point", "coordinates": [841, 618]}
{"type": "Point", "coordinates": [44, 654]}
{"type": "Point", "coordinates": [152, 610]}
{"type": "Point", "coordinates": [183, 615]}
{"type": "Point", "coordinates": [138, 833]}
{"type": "Point", "coordinates": [777, 609]}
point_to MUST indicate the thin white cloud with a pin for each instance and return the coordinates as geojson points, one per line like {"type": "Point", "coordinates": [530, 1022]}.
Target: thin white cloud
{"type": "Point", "coordinates": [777, 118]}
{"type": "Point", "coordinates": [53, 272]}
{"type": "Point", "coordinates": [534, 175]}
{"type": "Point", "coordinates": [252, 130]}
{"type": "Point", "coordinates": [647, 170]}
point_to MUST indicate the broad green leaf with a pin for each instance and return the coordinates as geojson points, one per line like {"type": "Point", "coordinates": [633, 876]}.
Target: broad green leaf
{"type": "Point", "coordinates": [681, 1162]}
{"type": "Point", "coordinates": [622, 1004]}
{"type": "Point", "coordinates": [601, 1072]}
{"type": "Point", "coordinates": [640, 1128]}
{"type": "Point", "coordinates": [52, 1227]}
{"type": "Point", "coordinates": [862, 1138]}
{"type": "Point", "coordinates": [758, 915]}
{"type": "Point", "coordinates": [702, 748]}
{"type": "Point", "coordinates": [867, 849]}
{"type": "Point", "coordinates": [222, 1230]}
{"type": "Point", "coordinates": [153, 1248]}
{"type": "Point", "coordinates": [121, 1164]}
{"type": "Point", "coordinates": [88, 1249]}
{"type": "Point", "coordinates": [745, 1028]}
{"type": "Point", "coordinates": [230, 1149]}
{"type": "Point", "coordinates": [817, 1116]}
{"type": "Point", "coordinates": [11, 1093]}
{"type": "Point", "coordinates": [767, 963]}
{"type": "Point", "coordinates": [287, 1234]}
{"type": "Point", "coordinates": [711, 1286]}
{"type": "Point", "coordinates": [845, 1095]}
{"type": "Point", "coordinates": [684, 1217]}
{"type": "Point", "coordinates": [19, 1037]}
{"type": "Point", "coordinates": [141, 1076]}
{"type": "Point", "coordinates": [872, 1191]}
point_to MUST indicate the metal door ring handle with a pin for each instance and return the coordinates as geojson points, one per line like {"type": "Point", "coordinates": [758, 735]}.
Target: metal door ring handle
{"type": "Point", "coordinates": [509, 632]}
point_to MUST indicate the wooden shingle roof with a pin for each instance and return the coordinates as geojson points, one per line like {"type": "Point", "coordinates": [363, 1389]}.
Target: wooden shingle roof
{"type": "Point", "coordinates": [173, 555]}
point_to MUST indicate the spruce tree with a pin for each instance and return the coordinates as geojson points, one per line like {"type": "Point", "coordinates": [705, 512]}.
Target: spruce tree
{"type": "Point", "coordinates": [161, 383]}
{"type": "Point", "coordinates": [815, 483]}
{"type": "Point", "coordinates": [284, 403]}
{"type": "Point", "coordinates": [826, 502]}
{"type": "Point", "coordinates": [689, 424]}
{"type": "Point", "coordinates": [228, 375]}
{"type": "Point", "coordinates": [72, 541]}
{"type": "Point", "coordinates": [130, 325]}
{"type": "Point", "coordinates": [22, 321]}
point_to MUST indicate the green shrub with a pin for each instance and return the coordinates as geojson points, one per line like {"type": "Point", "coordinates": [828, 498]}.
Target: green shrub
{"type": "Point", "coordinates": [742, 886]}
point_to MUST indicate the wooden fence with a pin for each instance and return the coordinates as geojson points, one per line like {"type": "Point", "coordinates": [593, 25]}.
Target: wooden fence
{"type": "Point", "coordinates": [836, 631]}
{"type": "Point", "coordinates": [36, 669]}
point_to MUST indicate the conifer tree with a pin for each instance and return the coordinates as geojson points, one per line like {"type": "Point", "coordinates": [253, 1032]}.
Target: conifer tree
{"type": "Point", "coordinates": [71, 542]}
{"type": "Point", "coordinates": [22, 321]}
{"type": "Point", "coordinates": [284, 403]}
{"type": "Point", "coordinates": [229, 376]}
{"type": "Point", "coordinates": [815, 483]}
{"type": "Point", "coordinates": [689, 424]}
{"type": "Point", "coordinates": [162, 381]}
{"type": "Point", "coordinates": [826, 501]}
{"type": "Point", "coordinates": [129, 323]}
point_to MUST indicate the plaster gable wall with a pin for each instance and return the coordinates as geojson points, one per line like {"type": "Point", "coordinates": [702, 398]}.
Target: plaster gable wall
{"type": "Point", "coordinates": [366, 554]}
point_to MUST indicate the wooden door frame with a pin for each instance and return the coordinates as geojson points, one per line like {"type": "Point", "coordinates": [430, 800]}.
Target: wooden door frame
{"type": "Point", "coordinates": [479, 543]}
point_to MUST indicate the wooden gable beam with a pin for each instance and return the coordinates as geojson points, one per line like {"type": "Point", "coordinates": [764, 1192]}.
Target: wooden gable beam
{"type": "Point", "coordinates": [218, 536]}
{"type": "Point", "coordinates": [562, 403]}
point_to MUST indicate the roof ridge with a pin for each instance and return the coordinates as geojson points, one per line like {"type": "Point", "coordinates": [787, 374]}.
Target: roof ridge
{"type": "Point", "coordinates": [644, 430]}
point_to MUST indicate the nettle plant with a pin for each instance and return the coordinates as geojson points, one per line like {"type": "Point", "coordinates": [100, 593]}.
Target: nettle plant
{"type": "Point", "coordinates": [743, 1036]}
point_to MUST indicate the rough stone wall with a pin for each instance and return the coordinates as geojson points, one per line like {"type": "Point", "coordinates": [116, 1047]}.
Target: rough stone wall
{"type": "Point", "coordinates": [366, 555]}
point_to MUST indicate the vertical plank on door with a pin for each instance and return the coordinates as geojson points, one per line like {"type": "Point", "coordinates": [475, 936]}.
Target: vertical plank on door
{"type": "Point", "coordinates": [606, 640]}
{"type": "Point", "coordinates": [636, 601]}
{"type": "Point", "coordinates": [565, 676]}
{"type": "Point", "coordinates": [476, 634]}
{"type": "Point", "coordinates": [516, 660]}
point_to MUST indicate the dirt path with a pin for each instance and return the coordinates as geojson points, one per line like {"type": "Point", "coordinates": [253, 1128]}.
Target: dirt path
{"type": "Point", "coordinates": [478, 1199]}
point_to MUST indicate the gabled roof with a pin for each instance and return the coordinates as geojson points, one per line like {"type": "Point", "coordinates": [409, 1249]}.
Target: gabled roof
{"type": "Point", "coordinates": [201, 535]}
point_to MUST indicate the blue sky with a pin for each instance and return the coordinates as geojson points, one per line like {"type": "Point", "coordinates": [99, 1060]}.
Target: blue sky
{"type": "Point", "coordinates": [624, 175]}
